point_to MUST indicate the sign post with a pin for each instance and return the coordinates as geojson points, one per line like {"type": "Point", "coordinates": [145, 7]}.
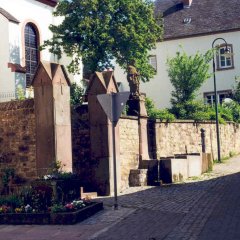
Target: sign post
{"type": "Point", "coordinates": [113, 105]}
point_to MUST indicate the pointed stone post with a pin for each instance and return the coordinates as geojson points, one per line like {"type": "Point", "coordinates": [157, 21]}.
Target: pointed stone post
{"type": "Point", "coordinates": [143, 131]}
{"type": "Point", "coordinates": [53, 120]}
{"type": "Point", "coordinates": [101, 134]}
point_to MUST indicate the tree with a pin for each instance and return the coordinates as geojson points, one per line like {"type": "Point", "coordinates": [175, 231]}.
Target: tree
{"type": "Point", "coordinates": [236, 90]}
{"type": "Point", "coordinates": [98, 31]}
{"type": "Point", "coordinates": [187, 74]}
{"type": "Point", "coordinates": [76, 94]}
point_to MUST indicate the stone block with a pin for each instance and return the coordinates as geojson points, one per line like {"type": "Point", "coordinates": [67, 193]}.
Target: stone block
{"type": "Point", "coordinates": [194, 165]}
{"type": "Point", "coordinates": [138, 177]}
{"type": "Point", "coordinates": [207, 162]}
{"type": "Point", "coordinates": [23, 148]}
{"type": "Point", "coordinates": [153, 171]}
{"type": "Point", "coordinates": [173, 170]}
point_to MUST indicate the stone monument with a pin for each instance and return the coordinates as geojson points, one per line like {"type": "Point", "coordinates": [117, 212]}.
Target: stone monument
{"type": "Point", "coordinates": [101, 176]}
{"type": "Point", "coordinates": [53, 119]}
{"type": "Point", "coordinates": [136, 107]}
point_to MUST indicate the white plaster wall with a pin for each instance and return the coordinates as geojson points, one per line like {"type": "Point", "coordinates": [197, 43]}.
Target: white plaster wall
{"type": "Point", "coordinates": [159, 88]}
{"type": "Point", "coordinates": [6, 77]}
{"type": "Point", "coordinates": [12, 40]}
{"type": "Point", "coordinates": [30, 11]}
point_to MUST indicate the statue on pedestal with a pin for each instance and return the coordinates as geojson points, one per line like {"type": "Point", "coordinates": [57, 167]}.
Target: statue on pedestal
{"type": "Point", "coordinates": [133, 80]}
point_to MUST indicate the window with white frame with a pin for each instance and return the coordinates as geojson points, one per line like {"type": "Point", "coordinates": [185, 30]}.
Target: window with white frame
{"type": "Point", "coordinates": [221, 95]}
{"type": "Point", "coordinates": [31, 36]}
{"type": "Point", "coordinates": [153, 61]}
{"type": "Point", "coordinates": [225, 60]}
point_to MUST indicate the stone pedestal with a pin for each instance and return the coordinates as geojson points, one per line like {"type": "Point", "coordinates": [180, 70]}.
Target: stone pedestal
{"type": "Point", "coordinates": [138, 177]}
{"type": "Point", "coordinates": [207, 162]}
{"type": "Point", "coordinates": [53, 120]}
{"type": "Point", "coordinates": [101, 162]}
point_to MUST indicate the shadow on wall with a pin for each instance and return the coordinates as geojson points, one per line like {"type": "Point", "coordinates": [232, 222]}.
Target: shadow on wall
{"type": "Point", "coordinates": [20, 78]}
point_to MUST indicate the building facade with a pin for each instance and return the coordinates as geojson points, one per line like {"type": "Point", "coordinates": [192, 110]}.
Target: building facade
{"type": "Point", "coordinates": [23, 28]}
{"type": "Point", "coordinates": [193, 26]}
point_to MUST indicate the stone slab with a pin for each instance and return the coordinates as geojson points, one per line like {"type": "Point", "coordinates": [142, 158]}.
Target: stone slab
{"type": "Point", "coordinates": [173, 170]}
{"type": "Point", "coordinates": [194, 165]}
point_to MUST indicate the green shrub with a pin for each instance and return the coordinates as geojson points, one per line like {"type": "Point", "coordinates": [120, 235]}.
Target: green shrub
{"type": "Point", "coordinates": [234, 108]}
{"type": "Point", "coordinates": [76, 94]}
{"type": "Point", "coordinates": [154, 113]}
{"type": "Point", "coordinates": [11, 200]}
{"type": "Point", "coordinates": [194, 110]}
{"type": "Point", "coordinates": [58, 208]}
{"type": "Point", "coordinates": [7, 174]}
{"type": "Point", "coordinates": [20, 93]}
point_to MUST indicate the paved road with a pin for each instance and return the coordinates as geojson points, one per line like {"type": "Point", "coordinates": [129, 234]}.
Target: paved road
{"type": "Point", "coordinates": [207, 208]}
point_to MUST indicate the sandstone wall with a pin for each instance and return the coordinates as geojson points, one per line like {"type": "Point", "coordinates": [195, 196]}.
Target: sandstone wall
{"type": "Point", "coordinates": [185, 136]}
{"type": "Point", "coordinates": [80, 139]}
{"type": "Point", "coordinates": [18, 137]}
{"type": "Point", "coordinates": [129, 148]}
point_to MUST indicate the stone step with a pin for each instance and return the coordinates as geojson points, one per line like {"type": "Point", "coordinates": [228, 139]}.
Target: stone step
{"type": "Point", "coordinates": [89, 195]}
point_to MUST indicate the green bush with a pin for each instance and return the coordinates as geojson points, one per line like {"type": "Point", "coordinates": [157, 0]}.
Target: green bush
{"type": "Point", "coordinates": [233, 108]}
{"type": "Point", "coordinates": [194, 110]}
{"type": "Point", "coordinates": [154, 113]}
{"type": "Point", "coordinates": [76, 94]}
{"type": "Point", "coordinates": [7, 174]}
{"type": "Point", "coordinates": [11, 200]}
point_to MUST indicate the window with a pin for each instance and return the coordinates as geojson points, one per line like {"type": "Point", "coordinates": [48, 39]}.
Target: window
{"type": "Point", "coordinates": [31, 51]}
{"type": "Point", "coordinates": [221, 95]}
{"type": "Point", "coordinates": [224, 61]}
{"type": "Point", "coordinates": [153, 61]}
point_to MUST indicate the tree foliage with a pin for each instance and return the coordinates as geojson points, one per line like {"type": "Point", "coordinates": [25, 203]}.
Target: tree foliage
{"type": "Point", "coordinates": [187, 74]}
{"type": "Point", "coordinates": [236, 91]}
{"type": "Point", "coordinates": [98, 31]}
{"type": "Point", "coordinates": [155, 113]}
{"type": "Point", "coordinates": [76, 94]}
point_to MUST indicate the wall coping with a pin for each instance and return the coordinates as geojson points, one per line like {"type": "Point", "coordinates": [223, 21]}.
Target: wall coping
{"type": "Point", "coordinates": [129, 117]}
{"type": "Point", "coordinates": [193, 122]}
{"type": "Point", "coordinates": [17, 104]}
{"type": "Point", "coordinates": [158, 121]}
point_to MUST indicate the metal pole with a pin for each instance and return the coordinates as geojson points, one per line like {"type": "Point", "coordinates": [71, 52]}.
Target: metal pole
{"type": "Point", "coordinates": [216, 100]}
{"type": "Point", "coordinates": [114, 156]}
{"type": "Point", "coordinates": [216, 112]}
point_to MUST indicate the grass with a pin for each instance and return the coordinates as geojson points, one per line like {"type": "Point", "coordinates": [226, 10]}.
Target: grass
{"type": "Point", "coordinates": [224, 159]}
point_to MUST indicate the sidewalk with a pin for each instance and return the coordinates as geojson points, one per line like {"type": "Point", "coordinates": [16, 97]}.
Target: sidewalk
{"type": "Point", "coordinates": [206, 208]}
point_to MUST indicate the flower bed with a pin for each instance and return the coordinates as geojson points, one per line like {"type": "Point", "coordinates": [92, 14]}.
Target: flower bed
{"type": "Point", "coordinates": [70, 217]}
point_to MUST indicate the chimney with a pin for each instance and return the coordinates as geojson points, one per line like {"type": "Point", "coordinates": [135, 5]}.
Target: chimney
{"type": "Point", "coordinates": [187, 3]}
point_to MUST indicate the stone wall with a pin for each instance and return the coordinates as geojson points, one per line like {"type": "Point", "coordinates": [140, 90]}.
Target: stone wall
{"type": "Point", "coordinates": [18, 137]}
{"type": "Point", "coordinates": [80, 139]}
{"type": "Point", "coordinates": [185, 136]}
{"type": "Point", "coordinates": [129, 147]}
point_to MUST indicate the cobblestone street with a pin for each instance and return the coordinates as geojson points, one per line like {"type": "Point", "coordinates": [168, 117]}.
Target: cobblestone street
{"type": "Point", "coordinates": [206, 208]}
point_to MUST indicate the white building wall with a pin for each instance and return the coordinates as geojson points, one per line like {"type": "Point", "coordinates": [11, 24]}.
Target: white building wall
{"type": "Point", "coordinates": [7, 90]}
{"type": "Point", "coordinates": [159, 88]}
{"type": "Point", "coordinates": [12, 38]}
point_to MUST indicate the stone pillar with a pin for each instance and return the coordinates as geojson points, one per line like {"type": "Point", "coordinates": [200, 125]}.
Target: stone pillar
{"type": "Point", "coordinates": [143, 131]}
{"type": "Point", "coordinates": [53, 120]}
{"type": "Point", "coordinates": [136, 107]}
{"type": "Point", "coordinates": [101, 135]}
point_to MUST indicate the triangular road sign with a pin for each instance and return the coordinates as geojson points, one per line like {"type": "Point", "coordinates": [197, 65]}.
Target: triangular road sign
{"type": "Point", "coordinates": [113, 104]}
